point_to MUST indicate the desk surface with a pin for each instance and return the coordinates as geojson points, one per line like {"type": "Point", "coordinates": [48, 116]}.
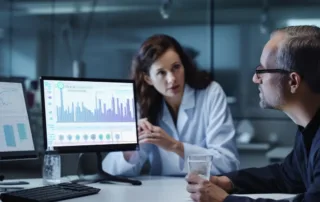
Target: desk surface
{"type": "Point", "coordinates": [154, 189]}
{"type": "Point", "coordinates": [279, 152]}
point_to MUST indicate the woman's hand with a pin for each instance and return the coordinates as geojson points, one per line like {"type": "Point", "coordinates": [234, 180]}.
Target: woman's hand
{"type": "Point", "coordinates": [151, 134]}
{"type": "Point", "coordinates": [144, 125]}
{"type": "Point", "coordinates": [158, 137]}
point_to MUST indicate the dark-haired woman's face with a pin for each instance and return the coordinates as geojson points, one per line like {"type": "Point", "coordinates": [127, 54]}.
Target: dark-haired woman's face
{"type": "Point", "coordinates": [167, 74]}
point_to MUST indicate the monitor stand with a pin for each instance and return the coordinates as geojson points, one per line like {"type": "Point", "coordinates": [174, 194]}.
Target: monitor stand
{"type": "Point", "coordinates": [10, 183]}
{"type": "Point", "coordinates": [101, 176]}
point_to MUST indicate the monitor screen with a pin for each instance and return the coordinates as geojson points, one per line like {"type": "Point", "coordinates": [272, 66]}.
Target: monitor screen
{"type": "Point", "coordinates": [16, 139]}
{"type": "Point", "coordinates": [89, 115]}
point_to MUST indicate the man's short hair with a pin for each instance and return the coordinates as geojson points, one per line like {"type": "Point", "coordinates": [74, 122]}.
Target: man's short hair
{"type": "Point", "coordinates": [300, 52]}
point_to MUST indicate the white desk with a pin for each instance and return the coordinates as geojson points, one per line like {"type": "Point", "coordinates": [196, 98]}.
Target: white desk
{"type": "Point", "coordinates": [279, 153]}
{"type": "Point", "coordinates": [155, 189]}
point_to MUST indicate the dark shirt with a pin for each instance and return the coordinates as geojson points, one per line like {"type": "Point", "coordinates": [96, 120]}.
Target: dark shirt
{"type": "Point", "coordinates": [298, 174]}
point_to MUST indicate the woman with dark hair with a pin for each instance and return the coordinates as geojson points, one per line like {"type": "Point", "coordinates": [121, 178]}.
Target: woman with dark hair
{"type": "Point", "coordinates": [182, 111]}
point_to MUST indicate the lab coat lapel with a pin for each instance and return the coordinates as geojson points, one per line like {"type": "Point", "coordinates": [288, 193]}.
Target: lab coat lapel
{"type": "Point", "coordinates": [188, 102]}
{"type": "Point", "coordinates": [166, 117]}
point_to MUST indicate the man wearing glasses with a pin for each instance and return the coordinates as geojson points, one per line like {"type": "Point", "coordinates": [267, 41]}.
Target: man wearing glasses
{"type": "Point", "coordinates": [288, 79]}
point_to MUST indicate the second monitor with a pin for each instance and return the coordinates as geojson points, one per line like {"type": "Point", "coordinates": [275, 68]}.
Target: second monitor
{"type": "Point", "coordinates": [90, 115]}
{"type": "Point", "coordinates": [16, 140]}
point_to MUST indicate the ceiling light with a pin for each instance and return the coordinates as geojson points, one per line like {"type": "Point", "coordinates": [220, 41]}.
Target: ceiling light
{"type": "Point", "coordinates": [295, 22]}
{"type": "Point", "coordinates": [69, 8]}
{"type": "Point", "coordinates": [165, 9]}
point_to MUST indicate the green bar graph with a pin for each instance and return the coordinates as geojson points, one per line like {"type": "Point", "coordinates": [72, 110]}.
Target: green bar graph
{"type": "Point", "coordinates": [22, 131]}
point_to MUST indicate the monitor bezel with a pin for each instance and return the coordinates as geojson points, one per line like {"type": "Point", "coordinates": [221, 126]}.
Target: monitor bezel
{"type": "Point", "coordinates": [91, 148]}
{"type": "Point", "coordinates": [26, 154]}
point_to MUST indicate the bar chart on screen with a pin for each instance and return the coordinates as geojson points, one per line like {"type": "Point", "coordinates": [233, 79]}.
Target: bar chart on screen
{"type": "Point", "coordinates": [90, 113]}
{"type": "Point", "coordinates": [87, 104]}
{"type": "Point", "coordinates": [15, 132]}
{"type": "Point", "coordinates": [108, 108]}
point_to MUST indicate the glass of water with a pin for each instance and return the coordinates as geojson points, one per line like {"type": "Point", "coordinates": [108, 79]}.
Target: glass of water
{"type": "Point", "coordinates": [200, 164]}
{"type": "Point", "coordinates": [51, 170]}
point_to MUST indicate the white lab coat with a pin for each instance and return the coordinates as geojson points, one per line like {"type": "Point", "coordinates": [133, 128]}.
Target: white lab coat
{"type": "Point", "coordinates": [204, 125]}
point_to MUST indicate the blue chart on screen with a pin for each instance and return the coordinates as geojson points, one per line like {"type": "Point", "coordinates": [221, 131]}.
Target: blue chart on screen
{"type": "Point", "coordinates": [15, 132]}
{"type": "Point", "coordinates": [9, 134]}
{"type": "Point", "coordinates": [116, 111]}
{"type": "Point", "coordinates": [89, 113]}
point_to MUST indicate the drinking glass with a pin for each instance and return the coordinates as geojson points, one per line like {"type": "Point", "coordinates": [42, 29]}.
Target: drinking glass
{"type": "Point", "coordinates": [200, 164]}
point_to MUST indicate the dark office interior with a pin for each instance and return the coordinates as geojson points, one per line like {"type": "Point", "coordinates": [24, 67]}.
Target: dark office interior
{"type": "Point", "coordinates": [225, 37]}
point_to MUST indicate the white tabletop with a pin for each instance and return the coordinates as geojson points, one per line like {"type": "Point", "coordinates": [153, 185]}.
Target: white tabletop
{"type": "Point", "coordinates": [279, 153]}
{"type": "Point", "coordinates": [156, 189]}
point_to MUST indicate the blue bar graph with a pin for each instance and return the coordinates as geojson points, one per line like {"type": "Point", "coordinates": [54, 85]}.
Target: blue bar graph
{"type": "Point", "coordinates": [9, 136]}
{"type": "Point", "coordinates": [78, 112]}
{"type": "Point", "coordinates": [22, 131]}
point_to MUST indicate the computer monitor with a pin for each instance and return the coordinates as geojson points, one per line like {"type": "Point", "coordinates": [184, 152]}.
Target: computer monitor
{"type": "Point", "coordinates": [89, 115]}
{"type": "Point", "coordinates": [16, 141]}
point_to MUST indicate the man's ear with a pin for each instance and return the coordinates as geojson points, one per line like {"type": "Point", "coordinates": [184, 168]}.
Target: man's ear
{"type": "Point", "coordinates": [294, 82]}
{"type": "Point", "coordinates": [148, 80]}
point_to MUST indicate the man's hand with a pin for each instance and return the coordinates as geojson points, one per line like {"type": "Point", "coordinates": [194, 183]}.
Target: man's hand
{"type": "Point", "coordinates": [223, 182]}
{"type": "Point", "coordinates": [202, 190]}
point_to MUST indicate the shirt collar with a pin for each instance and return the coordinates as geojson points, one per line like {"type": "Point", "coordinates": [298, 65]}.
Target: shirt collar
{"type": "Point", "coordinates": [312, 127]}
{"type": "Point", "coordinates": [310, 131]}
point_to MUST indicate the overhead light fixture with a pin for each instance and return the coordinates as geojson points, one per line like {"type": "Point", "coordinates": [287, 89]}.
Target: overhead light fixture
{"type": "Point", "coordinates": [70, 8]}
{"type": "Point", "coordinates": [264, 18]}
{"type": "Point", "coordinates": [84, 9]}
{"type": "Point", "coordinates": [296, 22]}
{"type": "Point", "coordinates": [165, 8]}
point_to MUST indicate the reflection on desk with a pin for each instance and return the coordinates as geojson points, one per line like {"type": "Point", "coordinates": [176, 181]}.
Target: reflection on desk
{"type": "Point", "coordinates": [278, 154]}
{"type": "Point", "coordinates": [270, 196]}
{"type": "Point", "coordinates": [155, 189]}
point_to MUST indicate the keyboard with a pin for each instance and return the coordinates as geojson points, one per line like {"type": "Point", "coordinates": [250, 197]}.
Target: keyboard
{"type": "Point", "coordinates": [49, 193]}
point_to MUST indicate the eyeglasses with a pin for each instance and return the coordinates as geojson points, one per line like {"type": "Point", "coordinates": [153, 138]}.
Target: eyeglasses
{"type": "Point", "coordinates": [261, 70]}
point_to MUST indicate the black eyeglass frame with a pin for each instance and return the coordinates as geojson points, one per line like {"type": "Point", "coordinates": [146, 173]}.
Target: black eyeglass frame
{"type": "Point", "coordinates": [282, 71]}
{"type": "Point", "coordinates": [263, 71]}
